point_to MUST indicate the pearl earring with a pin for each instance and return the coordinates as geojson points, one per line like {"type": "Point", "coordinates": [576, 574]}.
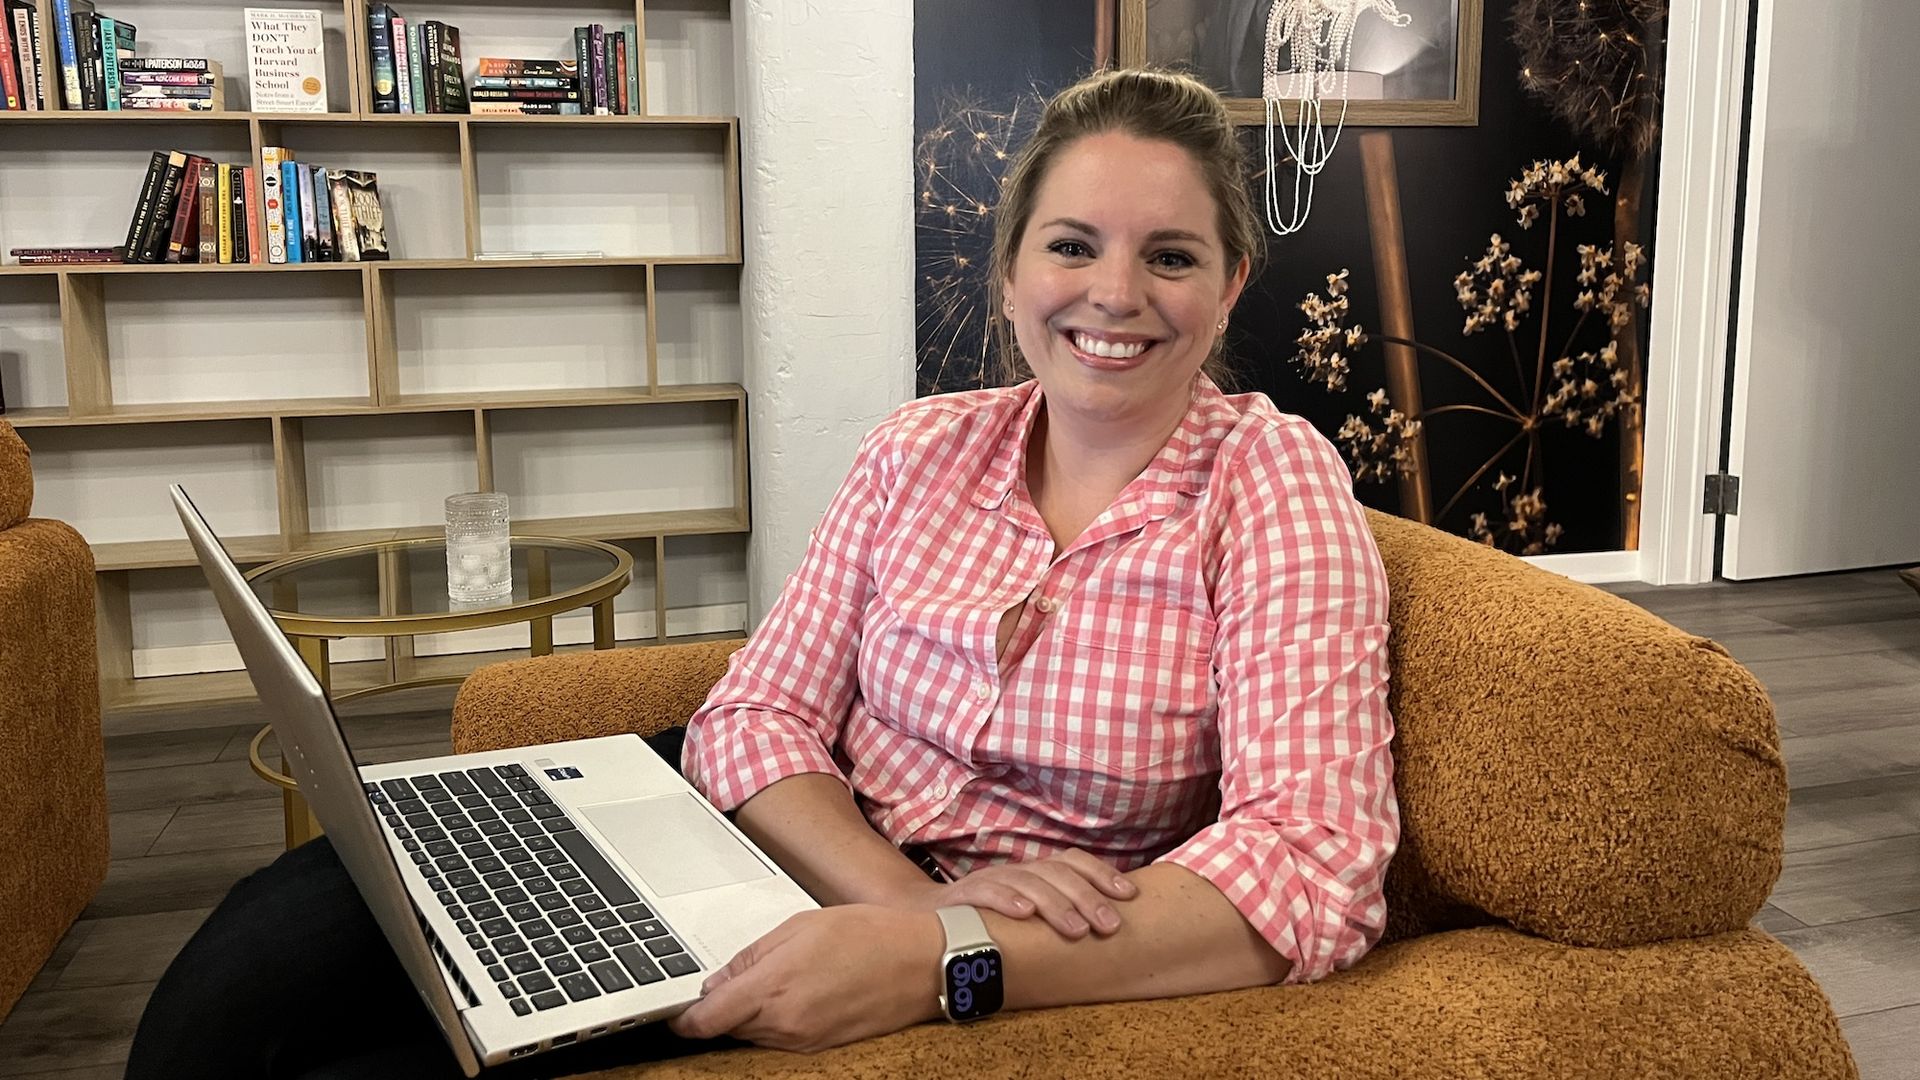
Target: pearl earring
{"type": "Point", "coordinates": [1222, 326]}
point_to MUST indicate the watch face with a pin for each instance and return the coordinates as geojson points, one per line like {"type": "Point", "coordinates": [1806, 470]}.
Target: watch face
{"type": "Point", "coordinates": [973, 985]}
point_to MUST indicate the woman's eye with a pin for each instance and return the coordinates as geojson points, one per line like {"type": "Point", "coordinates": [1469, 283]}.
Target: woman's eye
{"type": "Point", "coordinates": [1072, 249]}
{"type": "Point", "coordinates": [1173, 260]}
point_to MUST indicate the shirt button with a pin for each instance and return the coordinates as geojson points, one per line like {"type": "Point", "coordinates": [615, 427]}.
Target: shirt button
{"type": "Point", "coordinates": [1047, 605]}
{"type": "Point", "coordinates": [983, 691]}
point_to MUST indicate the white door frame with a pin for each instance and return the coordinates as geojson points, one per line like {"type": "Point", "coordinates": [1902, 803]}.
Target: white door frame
{"type": "Point", "coordinates": [1693, 275]}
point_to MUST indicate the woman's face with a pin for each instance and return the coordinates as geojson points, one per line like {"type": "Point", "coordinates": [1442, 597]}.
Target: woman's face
{"type": "Point", "coordinates": [1120, 282]}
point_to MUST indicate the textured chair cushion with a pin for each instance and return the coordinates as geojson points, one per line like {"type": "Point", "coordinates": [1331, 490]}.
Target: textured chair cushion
{"type": "Point", "coordinates": [16, 478]}
{"type": "Point", "coordinates": [1566, 762]}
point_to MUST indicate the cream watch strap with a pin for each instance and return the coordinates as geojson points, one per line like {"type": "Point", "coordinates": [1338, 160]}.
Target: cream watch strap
{"type": "Point", "coordinates": [965, 929]}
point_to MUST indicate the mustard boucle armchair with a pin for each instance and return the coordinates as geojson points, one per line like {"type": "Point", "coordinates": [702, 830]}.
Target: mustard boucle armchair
{"type": "Point", "coordinates": [1593, 804]}
{"type": "Point", "coordinates": [53, 795]}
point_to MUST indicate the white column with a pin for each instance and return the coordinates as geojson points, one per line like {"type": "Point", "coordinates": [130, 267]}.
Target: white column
{"type": "Point", "coordinates": [825, 93]}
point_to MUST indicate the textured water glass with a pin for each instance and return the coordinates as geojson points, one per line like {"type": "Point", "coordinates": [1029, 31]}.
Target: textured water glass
{"type": "Point", "coordinates": [479, 551]}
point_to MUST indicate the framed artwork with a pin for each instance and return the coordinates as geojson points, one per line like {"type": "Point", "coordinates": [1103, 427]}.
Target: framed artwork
{"type": "Point", "coordinates": [1424, 74]}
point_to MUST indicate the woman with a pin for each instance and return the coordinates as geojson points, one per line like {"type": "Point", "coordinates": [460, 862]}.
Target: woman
{"type": "Point", "coordinates": [1105, 651]}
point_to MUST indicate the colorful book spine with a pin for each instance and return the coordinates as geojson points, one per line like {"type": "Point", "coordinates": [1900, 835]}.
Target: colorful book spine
{"type": "Point", "coordinates": [251, 179]}
{"type": "Point", "coordinates": [430, 65]}
{"type": "Point", "coordinates": [616, 77]}
{"type": "Point", "coordinates": [26, 33]}
{"type": "Point", "coordinates": [501, 67]}
{"type": "Point", "coordinates": [69, 53]}
{"type": "Point", "coordinates": [224, 197]}
{"type": "Point", "coordinates": [309, 221]}
{"type": "Point", "coordinates": [9, 71]}
{"type": "Point", "coordinates": [630, 35]}
{"type": "Point", "coordinates": [451, 70]}
{"type": "Point", "coordinates": [171, 63]}
{"type": "Point", "coordinates": [290, 212]}
{"type": "Point", "coordinates": [417, 87]}
{"type": "Point", "coordinates": [583, 63]}
{"type": "Point", "coordinates": [238, 214]}
{"type": "Point", "coordinates": [342, 200]}
{"type": "Point", "coordinates": [323, 218]}
{"type": "Point", "coordinates": [526, 108]}
{"type": "Point", "coordinates": [183, 208]}
{"type": "Point", "coordinates": [117, 43]}
{"type": "Point", "coordinates": [386, 97]}
{"type": "Point", "coordinates": [522, 82]}
{"type": "Point", "coordinates": [143, 208]}
{"type": "Point", "coordinates": [597, 53]}
{"type": "Point", "coordinates": [209, 212]}
{"type": "Point", "coordinates": [153, 243]}
{"type": "Point", "coordinates": [397, 28]}
{"type": "Point", "coordinates": [270, 198]}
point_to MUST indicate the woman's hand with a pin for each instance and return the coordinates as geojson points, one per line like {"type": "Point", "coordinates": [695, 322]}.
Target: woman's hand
{"type": "Point", "coordinates": [1072, 891]}
{"type": "Point", "coordinates": [823, 979]}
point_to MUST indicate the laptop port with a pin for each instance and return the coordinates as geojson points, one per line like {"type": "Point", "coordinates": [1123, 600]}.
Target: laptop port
{"type": "Point", "coordinates": [625, 1024]}
{"type": "Point", "coordinates": [596, 1033]}
{"type": "Point", "coordinates": [563, 1040]}
{"type": "Point", "coordinates": [522, 1051]}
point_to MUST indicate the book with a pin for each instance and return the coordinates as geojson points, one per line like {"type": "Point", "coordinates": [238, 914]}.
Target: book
{"type": "Point", "coordinates": [286, 60]}
{"type": "Point", "coordinates": [290, 211]}
{"type": "Point", "coordinates": [386, 97]}
{"type": "Point", "coordinates": [69, 56]}
{"type": "Point", "coordinates": [324, 248]}
{"type": "Point", "coordinates": [172, 105]}
{"type": "Point", "coordinates": [417, 85]}
{"type": "Point", "coordinates": [117, 42]}
{"type": "Point", "coordinates": [583, 63]}
{"type": "Point", "coordinates": [451, 71]}
{"type": "Point", "coordinates": [171, 63]}
{"type": "Point", "coordinates": [153, 243]}
{"type": "Point", "coordinates": [497, 67]}
{"type": "Point", "coordinates": [25, 17]}
{"type": "Point", "coordinates": [309, 222]}
{"type": "Point", "coordinates": [397, 28]}
{"type": "Point", "coordinates": [597, 52]}
{"type": "Point", "coordinates": [135, 93]}
{"type": "Point", "coordinates": [9, 68]}
{"type": "Point", "coordinates": [223, 199]}
{"type": "Point", "coordinates": [480, 94]}
{"type": "Point", "coordinates": [525, 108]}
{"type": "Point", "coordinates": [430, 65]}
{"type": "Point", "coordinates": [203, 79]}
{"type": "Point", "coordinates": [616, 82]}
{"type": "Point", "coordinates": [362, 193]}
{"type": "Point", "coordinates": [238, 212]}
{"type": "Point", "coordinates": [521, 82]}
{"type": "Point", "coordinates": [630, 36]}
{"type": "Point", "coordinates": [86, 44]}
{"type": "Point", "coordinates": [271, 198]}
{"type": "Point", "coordinates": [251, 181]}
{"type": "Point", "coordinates": [341, 201]}
{"type": "Point", "coordinates": [143, 206]}
{"type": "Point", "coordinates": [183, 210]}
{"type": "Point", "coordinates": [209, 251]}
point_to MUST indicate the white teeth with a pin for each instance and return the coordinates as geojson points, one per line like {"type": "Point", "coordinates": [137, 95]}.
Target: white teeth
{"type": "Point", "coordinates": [1086, 343]}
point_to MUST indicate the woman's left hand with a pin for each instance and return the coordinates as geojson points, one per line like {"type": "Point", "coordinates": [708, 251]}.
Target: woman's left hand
{"type": "Point", "coordinates": [823, 979]}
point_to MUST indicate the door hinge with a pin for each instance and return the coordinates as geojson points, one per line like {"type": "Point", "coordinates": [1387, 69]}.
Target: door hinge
{"type": "Point", "coordinates": [1723, 495]}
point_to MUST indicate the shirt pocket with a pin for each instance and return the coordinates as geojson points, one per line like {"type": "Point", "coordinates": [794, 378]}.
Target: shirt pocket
{"type": "Point", "coordinates": [1138, 696]}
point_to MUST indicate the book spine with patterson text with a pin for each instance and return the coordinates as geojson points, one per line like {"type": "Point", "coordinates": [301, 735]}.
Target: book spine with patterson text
{"type": "Point", "coordinates": [209, 212]}
{"type": "Point", "coordinates": [143, 208]}
{"type": "Point", "coordinates": [117, 43]}
{"type": "Point", "coordinates": [290, 211]}
{"type": "Point", "coordinates": [225, 198]}
{"type": "Point", "coordinates": [270, 198]}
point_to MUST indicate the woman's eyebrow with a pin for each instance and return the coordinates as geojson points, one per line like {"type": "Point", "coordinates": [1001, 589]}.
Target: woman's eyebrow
{"type": "Point", "coordinates": [1155, 236]}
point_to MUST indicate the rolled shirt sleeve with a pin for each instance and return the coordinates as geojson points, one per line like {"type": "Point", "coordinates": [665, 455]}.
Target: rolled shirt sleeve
{"type": "Point", "coordinates": [779, 709]}
{"type": "Point", "coordinates": [1308, 818]}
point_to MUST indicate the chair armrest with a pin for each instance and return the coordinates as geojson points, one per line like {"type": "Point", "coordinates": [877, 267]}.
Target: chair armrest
{"type": "Point", "coordinates": [585, 695]}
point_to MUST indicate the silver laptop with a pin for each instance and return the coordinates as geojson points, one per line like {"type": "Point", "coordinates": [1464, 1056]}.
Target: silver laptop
{"type": "Point", "coordinates": [537, 897]}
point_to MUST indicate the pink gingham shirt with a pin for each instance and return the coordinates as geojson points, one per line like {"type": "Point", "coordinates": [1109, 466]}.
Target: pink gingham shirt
{"type": "Point", "coordinates": [1200, 678]}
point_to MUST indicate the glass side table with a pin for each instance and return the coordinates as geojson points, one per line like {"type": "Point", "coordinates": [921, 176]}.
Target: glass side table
{"type": "Point", "coordinates": [397, 589]}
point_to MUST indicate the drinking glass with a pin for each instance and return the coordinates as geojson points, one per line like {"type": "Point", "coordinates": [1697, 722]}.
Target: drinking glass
{"type": "Point", "coordinates": [479, 552]}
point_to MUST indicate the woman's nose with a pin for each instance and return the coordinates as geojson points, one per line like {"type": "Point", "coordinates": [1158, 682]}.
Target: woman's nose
{"type": "Point", "coordinates": [1117, 288]}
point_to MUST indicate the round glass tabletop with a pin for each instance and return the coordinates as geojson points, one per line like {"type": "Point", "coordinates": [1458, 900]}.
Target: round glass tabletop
{"type": "Point", "coordinates": [400, 586]}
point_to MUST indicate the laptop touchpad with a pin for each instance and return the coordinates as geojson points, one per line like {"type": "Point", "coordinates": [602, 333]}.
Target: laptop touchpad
{"type": "Point", "coordinates": [674, 844]}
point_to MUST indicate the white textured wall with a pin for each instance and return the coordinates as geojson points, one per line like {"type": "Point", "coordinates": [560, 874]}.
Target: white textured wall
{"type": "Point", "coordinates": [826, 130]}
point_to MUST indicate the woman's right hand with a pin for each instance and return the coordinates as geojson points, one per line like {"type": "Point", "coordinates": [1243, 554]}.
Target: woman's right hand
{"type": "Point", "coordinates": [1073, 891]}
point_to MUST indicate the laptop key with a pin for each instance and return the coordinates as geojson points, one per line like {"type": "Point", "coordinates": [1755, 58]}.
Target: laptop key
{"type": "Point", "coordinates": [512, 768]}
{"type": "Point", "coordinates": [473, 894]}
{"type": "Point", "coordinates": [494, 827]}
{"type": "Point", "coordinates": [522, 912]}
{"type": "Point", "coordinates": [552, 999]}
{"type": "Point", "coordinates": [512, 897]}
{"type": "Point", "coordinates": [634, 912]}
{"type": "Point", "coordinates": [648, 928]}
{"type": "Point", "coordinates": [393, 822]}
{"type": "Point", "coordinates": [397, 788]}
{"type": "Point", "coordinates": [577, 935]}
{"type": "Point", "coordinates": [551, 901]}
{"type": "Point", "coordinates": [409, 806]}
{"type": "Point", "coordinates": [410, 846]}
{"type": "Point", "coordinates": [442, 847]}
{"type": "Point", "coordinates": [545, 810]}
{"type": "Point", "coordinates": [427, 781]}
{"type": "Point", "coordinates": [580, 986]}
{"type": "Point", "coordinates": [563, 916]}
{"type": "Point", "coordinates": [511, 989]}
{"type": "Point", "coordinates": [528, 828]}
{"type": "Point", "coordinates": [474, 801]}
{"type": "Point", "coordinates": [499, 973]}
{"type": "Point", "coordinates": [458, 912]}
{"type": "Point", "coordinates": [484, 779]}
{"type": "Point", "coordinates": [421, 820]}
{"type": "Point", "coordinates": [446, 898]}
{"type": "Point", "coordinates": [436, 795]}
{"type": "Point", "coordinates": [638, 964]}
{"type": "Point", "coordinates": [456, 820]}
{"type": "Point", "coordinates": [591, 952]}
{"type": "Point", "coordinates": [494, 928]}
{"type": "Point", "coordinates": [563, 964]}
{"type": "Point", "coordinates": [524, 870]}
{"type": "Point", "coordinates": [476, 942]}
{"type": "Point", "coordinates": [664, 946]}
{"type": "Point", "coordinates": [488, 865]}
{"type": "Point", "coordinates": [539, 843]}
{"type": "Point", "coordinates": [507, 946]}
{"type": "Point", "coordinates": [535, 981]}
{"type": "Point", "coordinates": [521, 963]}
{"type": "Point", "coordinates": [602, 920]}
{"type": "Point", "coordinates": [589, 902]}
{"type": "Point", "coordinates": [549, 946]}
{"type": "Point", "coordinates": [563, 872]}
{"type": "Point", "coordinates": [679, 964]}
{"type": "Point", "coordinates": [467, 836]}
{"type": "Point", "coordinates": [437, 884]}
{"type": "Point", "coordinates": [450, 862]}
{"type": "Point", "coordinates": [559, 825]}
{"type": "Point", "coordinates": [617, 935]}
{"type": "Point", "coordinates": [516, 815]}
{"type": "Point", "coordinates": [520, 1006]}
{"type": "Point", "coordinates": [552, 856]}
{"type": "Point", "coordinates": [578, 886]}
{"type": "Point", "coordinates": [462, 878]}
{"type": "Point", "coordinates": [484, 813]}
{"type": "Point", "coordinates": [420, 858]}
{"type": "Point", "coordinates": [487, 956]}
{"type": "Point", "coordinates": [537, 928]}
{"type": "Point", "coordinates": [516, 854]}
{"type": "Point", "coordinates": [609, 976]}
{"type": "Point", "coordinates": [499, 879]}
{"type": "Point", "coordinates": [465, 925]}
{"type": "Point", "coordinates": [457, 783]}
{"type": "Point", "coordinates": [485, 909]}
{"type": "Point", "coordinates": [430, 834]}
{"type": "Point", "coordinates": [539, 885]}
{"type": "Point", "coordinates": [505, 802]}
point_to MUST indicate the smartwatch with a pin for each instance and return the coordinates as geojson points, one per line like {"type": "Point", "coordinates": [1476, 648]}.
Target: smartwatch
{"type": "Point", "coordinates": [970, 970]}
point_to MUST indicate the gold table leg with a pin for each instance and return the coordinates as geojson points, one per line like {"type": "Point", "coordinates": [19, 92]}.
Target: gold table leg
{"type": "Point", "coordinates": [539, 584]}
{"type": "Point", "coordinates": [301, 825]}
{"type": "Point", "coordinates": [603, 624]}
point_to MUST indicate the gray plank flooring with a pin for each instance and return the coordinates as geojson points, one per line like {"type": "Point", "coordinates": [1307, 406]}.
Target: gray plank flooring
{"type": "Point", "coordinates": [1839, 654]}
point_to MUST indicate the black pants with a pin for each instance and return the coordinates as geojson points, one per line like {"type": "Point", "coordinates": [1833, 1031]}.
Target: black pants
{"type": "Point", "coordinates": [291, 977]}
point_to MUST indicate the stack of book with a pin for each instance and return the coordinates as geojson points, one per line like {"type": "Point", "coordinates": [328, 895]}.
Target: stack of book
{"type": "Point", "coordinates": [66, 256]}
{"type": "Point", "coordinates": [529, 87]}
{"type": "Point", "coordinates": [180, 84]}
{"type": "Point", "coordinates": [609, 66]}
{"type": "Point", "coordinates": [194, 210]}
{"type": "Point", "coordinates": [314, 214]}
{"type": "Point", "coordinates": [415, 67]}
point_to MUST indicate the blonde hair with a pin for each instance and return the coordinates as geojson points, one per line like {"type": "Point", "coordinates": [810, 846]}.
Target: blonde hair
{"type": "Point", "coordinates": [1147, 103]}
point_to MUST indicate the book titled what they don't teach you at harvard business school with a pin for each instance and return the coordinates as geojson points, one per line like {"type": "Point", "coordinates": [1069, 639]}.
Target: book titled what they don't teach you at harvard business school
{"type": "Point", "coordinates": [286, 60]}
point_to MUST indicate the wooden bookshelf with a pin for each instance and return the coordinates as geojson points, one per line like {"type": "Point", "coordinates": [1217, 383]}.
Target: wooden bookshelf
{"type": "Point", "coordinates": [406, 367]}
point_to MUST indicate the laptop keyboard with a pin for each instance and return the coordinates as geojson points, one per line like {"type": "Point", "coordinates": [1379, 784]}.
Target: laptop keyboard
{"type": "Point", "coordinates": [551, 919]}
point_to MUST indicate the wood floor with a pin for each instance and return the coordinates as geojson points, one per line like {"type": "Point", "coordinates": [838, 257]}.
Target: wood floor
{"type": "Point", "coordinates": [1840, 655]}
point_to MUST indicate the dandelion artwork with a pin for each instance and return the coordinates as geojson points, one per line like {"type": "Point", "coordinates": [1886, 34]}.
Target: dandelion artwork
{"type": "Point", "coordinates": [961, 163]}
{"type": "Point", "coordinates": [1585, 389]}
